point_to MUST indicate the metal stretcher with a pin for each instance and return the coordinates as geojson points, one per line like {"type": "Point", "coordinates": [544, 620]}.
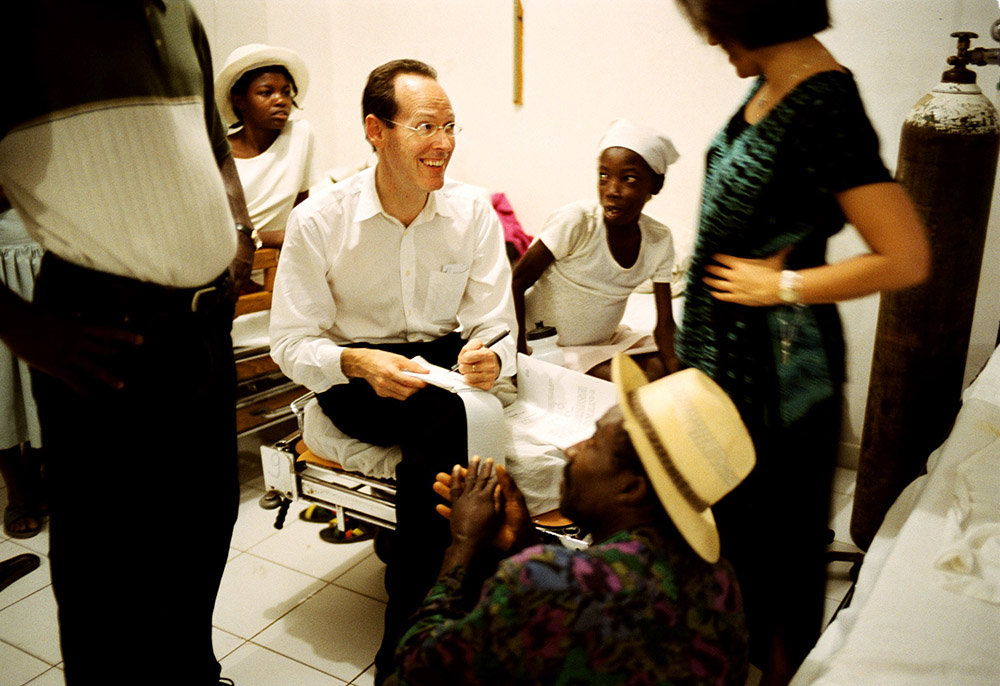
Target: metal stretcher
{"type": "Point", "coordinates": [295, 473]}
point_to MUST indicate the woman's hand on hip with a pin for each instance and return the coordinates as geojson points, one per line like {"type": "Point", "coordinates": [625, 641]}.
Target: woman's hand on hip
{"type": "Point", "coordinates": [747, 281]}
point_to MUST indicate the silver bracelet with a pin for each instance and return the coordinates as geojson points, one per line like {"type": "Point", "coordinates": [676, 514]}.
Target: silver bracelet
{"type": "Point", "coordinates": [790, 287]}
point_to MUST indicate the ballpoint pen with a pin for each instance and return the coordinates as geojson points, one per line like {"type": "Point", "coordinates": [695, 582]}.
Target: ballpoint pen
{"type": "Point", "coordinates": [489, 344]}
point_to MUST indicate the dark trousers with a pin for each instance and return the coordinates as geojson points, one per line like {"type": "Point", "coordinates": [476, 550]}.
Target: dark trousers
{"type": "Point", "coordinates": [430, 429]}
{"type": "Point", "coordinates": [143, 483]}
{"type": "Point", "coordinates": [774, 530]}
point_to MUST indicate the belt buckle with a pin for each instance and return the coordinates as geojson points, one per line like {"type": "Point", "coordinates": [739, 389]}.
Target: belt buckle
{"type": "Point", "coordinates": [198, 294]}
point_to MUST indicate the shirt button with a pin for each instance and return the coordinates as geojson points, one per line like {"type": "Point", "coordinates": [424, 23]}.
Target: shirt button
{"type": "Point", "coordinates": [159, 42]}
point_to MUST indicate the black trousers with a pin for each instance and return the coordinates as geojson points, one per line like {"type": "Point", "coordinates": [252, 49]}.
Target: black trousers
{"type": "Point", "coordinates": [774, 529]}
{"type": "Point", "coordinates": [136, 592]}
{"type": "Point", "coordinates": [430, 428]}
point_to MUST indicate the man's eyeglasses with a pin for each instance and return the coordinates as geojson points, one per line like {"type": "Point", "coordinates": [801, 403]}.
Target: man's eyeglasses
{"type": "Point", "coordinates": [426, 129]}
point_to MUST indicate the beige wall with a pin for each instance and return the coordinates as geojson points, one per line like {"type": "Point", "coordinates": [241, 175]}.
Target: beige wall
{"type": "Point", "coordinates": [587, 62]}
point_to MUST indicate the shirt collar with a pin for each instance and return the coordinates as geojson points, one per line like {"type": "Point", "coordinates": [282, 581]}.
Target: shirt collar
{"type": "Point", "coordinates": [370, 205]}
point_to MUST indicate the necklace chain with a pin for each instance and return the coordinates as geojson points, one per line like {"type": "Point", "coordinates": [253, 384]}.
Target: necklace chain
{"type": "Point", "coordinates": [763, 100]}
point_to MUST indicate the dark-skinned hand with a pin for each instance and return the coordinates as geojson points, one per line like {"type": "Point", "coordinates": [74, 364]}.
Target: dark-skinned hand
{"type": "Point", "coordinates": [85, 357]}
{"type": "Point", "coordinates": [515, 531]}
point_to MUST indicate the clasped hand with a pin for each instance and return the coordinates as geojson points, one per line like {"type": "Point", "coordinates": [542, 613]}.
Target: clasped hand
{"type": "Point", "coordinates": [486, 505]}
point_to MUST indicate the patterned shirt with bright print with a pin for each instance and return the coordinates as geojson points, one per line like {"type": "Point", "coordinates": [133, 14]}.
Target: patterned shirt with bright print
{"type": "Point", "coordinates": [639, 608]}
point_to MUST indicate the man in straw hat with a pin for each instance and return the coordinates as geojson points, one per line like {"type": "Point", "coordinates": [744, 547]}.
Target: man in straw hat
{"type": "Point", "coordinates": [648, 602]}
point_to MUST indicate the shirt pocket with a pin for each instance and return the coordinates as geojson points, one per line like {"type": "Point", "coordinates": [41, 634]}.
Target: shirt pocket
{"type": "Point", "coordinates": [444, 292]}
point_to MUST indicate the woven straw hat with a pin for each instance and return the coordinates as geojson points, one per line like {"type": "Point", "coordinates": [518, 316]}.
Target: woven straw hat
{"type": "Point", "coordinates": [691, 441]}
{"type": "Point", "coordinates": [251, 56]}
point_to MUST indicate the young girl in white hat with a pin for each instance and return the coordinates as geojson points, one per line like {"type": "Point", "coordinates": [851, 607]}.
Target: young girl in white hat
{"type": "Point", "coordinates": [256, 91]}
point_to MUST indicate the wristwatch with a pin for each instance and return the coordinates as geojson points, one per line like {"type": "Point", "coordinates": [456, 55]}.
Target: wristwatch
{"type": "Point", "coordinates": [790, 287]}
{"type": "Point", "coordinates": [252, 234]}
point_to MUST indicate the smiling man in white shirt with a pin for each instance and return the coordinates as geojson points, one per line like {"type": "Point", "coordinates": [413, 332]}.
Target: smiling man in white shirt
{"type": "Point", "coordinates": [394, 262]}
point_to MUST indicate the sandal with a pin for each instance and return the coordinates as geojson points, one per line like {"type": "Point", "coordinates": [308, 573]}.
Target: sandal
{"type": "Point", "coordinates": [13, 569]}
{"type": "Point", "coordinates": [318, 514]}
{"type": "Point", "coordinates": [25, 515]}
{"type": "Point", "coordinates": [361, 532]}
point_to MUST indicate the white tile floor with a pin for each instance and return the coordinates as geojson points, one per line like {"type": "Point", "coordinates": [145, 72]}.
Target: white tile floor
{"type": "Point", "coordinates": [292, 609]}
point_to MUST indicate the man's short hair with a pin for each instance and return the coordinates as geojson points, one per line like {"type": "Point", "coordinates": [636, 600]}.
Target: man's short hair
{"type": "Point", "coordinates": [379, 97]}
{"type": "Point", "coordinates": [756, 23]}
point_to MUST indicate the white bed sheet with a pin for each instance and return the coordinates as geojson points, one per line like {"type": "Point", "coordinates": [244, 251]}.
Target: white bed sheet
{"type": "Point", "coordinates": [564, 402]}
{"type": "Point", "coordinates": [903, 626]}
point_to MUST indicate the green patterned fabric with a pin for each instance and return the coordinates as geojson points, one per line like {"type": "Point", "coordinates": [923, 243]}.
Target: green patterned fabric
{"type": "Point", "coordinates": [768, 186]}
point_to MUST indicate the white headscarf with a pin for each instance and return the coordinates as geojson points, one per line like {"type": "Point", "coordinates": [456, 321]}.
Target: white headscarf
{"type": "Point", "coordinates": [649, 144]}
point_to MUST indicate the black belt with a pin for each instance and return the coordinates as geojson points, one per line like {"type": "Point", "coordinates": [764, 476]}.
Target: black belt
{"type": "Point", "coordinates": [125, 292]}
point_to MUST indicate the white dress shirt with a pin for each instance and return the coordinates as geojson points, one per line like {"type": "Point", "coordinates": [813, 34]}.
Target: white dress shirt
{"type": "Point", "coordinates": [350, 273]}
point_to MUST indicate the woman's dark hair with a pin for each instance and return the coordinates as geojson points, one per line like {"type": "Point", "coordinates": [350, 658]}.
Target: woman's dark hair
{"type": "Point", "coordinates": [379, 97]}
{"type": "Point", "coordinates": [756, 23]}
{"type": "Point", "coordinates": [242, 84]}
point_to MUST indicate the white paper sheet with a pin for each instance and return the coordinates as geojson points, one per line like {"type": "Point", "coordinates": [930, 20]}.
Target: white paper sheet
{"type": "Point", "coordinates": [557, 405]}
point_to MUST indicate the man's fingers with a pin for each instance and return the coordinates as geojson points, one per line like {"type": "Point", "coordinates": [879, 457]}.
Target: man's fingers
{"type": "Point", "coordinates": [406, 364]}
{"type": "Point", "coordinates": [442, 489]}
{"type": "Point", "coordinates": [443, 510]}
{"type": "Point", "coordinates": [456, 482]}
{"type": "Point", "coordinates": [486, 476]}
{"type": "Point", "coordinates": [472, 475]}
{"type": "Point", "coordinates": [107, 333]}
{"type": "Point", "coordinates": [510, 489]}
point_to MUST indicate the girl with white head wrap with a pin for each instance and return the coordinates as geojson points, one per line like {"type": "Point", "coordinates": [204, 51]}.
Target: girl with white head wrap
{"type": "Point", "coordinates": [590, 256]}
{"type": "Point", "coordinates": [656, 149]}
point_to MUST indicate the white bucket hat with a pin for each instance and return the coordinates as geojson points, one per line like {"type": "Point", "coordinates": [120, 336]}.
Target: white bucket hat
{"type": "Point", "coordinates": [691, 441]}
{"type": "Point", "coordinates": [651, 145]}
{"type": "Point", "coordinates": [252, 56]}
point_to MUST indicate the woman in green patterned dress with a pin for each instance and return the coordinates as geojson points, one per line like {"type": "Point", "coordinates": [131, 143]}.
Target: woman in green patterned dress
{"type": "Point", "coordinates": [797, 161]}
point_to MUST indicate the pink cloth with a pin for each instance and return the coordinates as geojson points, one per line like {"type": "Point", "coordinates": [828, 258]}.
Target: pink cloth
{"type": "Point", "coordinates": [512, 231]}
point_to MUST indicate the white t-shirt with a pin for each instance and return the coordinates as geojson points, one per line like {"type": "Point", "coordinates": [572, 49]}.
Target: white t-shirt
{"type": "Point", "coordinates": [273, 179]}
{"type": "Point", "coordinates": [584, 291]}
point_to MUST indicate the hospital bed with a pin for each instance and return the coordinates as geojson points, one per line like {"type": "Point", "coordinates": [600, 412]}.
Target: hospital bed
{"type": "Point", "coordinates": [926, 607]}
{"type": "Point", "coordinates": [553, 408]}
{"type": "Point", "coordinates": [264, 394]}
